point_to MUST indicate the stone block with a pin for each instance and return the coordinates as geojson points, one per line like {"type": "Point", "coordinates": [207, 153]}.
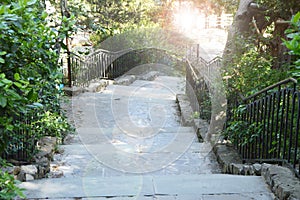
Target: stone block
{"type": "Point", "coordinates": [29, 177]}
{"type": "Point", "coordinates": [21, 176]}
{"type": "Point", "coordinates": [46, 147]}
{"type": "Point", "coordinates": [257, 169]}
{"type": "Point", "coordinates": [97, 86]}
{"type": "Point", "coordinates": [282, 181]}
{"type": "Point", "coordinates": [236, 168]}
{"type": "Point", "coordinates": [125, 80]}
{"type": "Point", "coordinates": [28, 173]}
{"type": "Point", "coordinates": [16, 170]}
{"type": "Point", "coordinates": [29, 169]}
{"type": "Point", "coordinates": [73, 91]}
{"type": "Point", "coordinates": [226, 155]}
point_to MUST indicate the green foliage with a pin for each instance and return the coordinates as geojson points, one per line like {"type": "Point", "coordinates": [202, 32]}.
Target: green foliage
{"type": "Point", "coordinates": [251, 71]}
{"type": "Point", "coordinates": [8, 188]}
{"type": "Point", "coordinates": [281, 8]}
{"type": "Point", "coordinates": [150, 37]}
{"type": "Point", "coordinates": [29, 76]}
{"type": "Point", "coordinates": [241, 132]}
{"type": "Point", "coordinates": [108, 18]}
{"type": "Point", "coordinates": [53, 124]}
{"type": "Point", "coordinates": [293, 44]}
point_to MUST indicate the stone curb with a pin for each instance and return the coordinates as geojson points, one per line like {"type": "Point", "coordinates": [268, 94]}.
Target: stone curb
{"type": "Point", "coordinates": [281, 180]}
{"type": "Point", "coordinates": [73, 91]}
{"type": "Point", "coordinates": [185, 110]}
{"type": "Point", "coordinates": [186, 113]}
{"type": "Point", "coordinates": [97, 86]}
{"type": "Point", "coordinates": [125, 80]}
{"type": "Point", "coordinates": [41, 165]}
{"type": "Point", "coordinates": [93, 87]}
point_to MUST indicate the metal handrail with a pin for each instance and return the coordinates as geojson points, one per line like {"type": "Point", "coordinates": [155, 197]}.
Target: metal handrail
{"type": "Point", "coordinates": [288, 80]}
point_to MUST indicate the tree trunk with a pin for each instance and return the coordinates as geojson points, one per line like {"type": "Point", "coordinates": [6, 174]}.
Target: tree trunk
{"type": "Point", "coordinates": [278, 50]}
{"type": "Point", "coordinates": [239, 27]}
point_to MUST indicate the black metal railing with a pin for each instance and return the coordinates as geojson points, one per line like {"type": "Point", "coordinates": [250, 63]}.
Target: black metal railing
{"type": "Point", "coordinates": [264, 126]}
{"type": "Point", "coordinates": [106, 64]}
{"type": "Point", "coordinates": [134, 58]}
{"type": "Point", "coordinates": [199, 81]}
{"type": "Point", "coordinates": [22, 139]}
{"type": "Point", "coordinates": [267, 125]}
{"type": "Point", "coordinates": [94, 66]}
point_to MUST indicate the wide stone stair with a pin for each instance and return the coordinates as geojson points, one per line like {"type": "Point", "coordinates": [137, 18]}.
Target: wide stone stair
{"type": "Point", "coordinates": [131, 144]}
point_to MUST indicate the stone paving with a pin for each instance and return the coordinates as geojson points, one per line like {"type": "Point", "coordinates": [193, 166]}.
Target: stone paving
{"type": "Point", "coordinates": [141, 123]}
{"type": "Point", "coordinates": [130, 144]}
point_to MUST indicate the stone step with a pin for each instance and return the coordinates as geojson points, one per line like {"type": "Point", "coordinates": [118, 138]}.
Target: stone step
{"type": "Point", "coordinates": [174, 137]}
{"type": "Point", "coordinates": [167, 83]}
{"type": "Point", "coordinates": [81, 160]}
{"type": "Point", "coordinates": [156, 92]}
{"type": "Point", "coordinates": [184, 187]}
{"type": "Point", "coordinates": [126, 106]}
{"type": "Point", "coordinates": [81, 149]}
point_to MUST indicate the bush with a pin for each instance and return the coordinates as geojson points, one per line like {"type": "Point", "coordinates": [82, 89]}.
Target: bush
{"type": "Point", "coordinates": [293, 34]}
{"type": "Point", "coordinates": [8, 188]}
{"type": "Point", "coordinates": [29, 78]}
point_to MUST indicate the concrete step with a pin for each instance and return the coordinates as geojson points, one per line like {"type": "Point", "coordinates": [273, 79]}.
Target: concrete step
{"type": "Point", "coordinates": [126, 106]}
{"type": "Point", "coordinates": [155, 92]}
{"type": "Point", "coordinates": [212, 186]}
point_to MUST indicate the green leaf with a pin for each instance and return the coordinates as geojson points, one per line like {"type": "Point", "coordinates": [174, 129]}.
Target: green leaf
{"type": "Point", "coordinates": [296, 18]}
{"type": "Point", "coordinates": [32, 2]}
{"type": "Point", "coordinates": [38, 105]}
{"type": "Point", "coordinates": [6, 81]}
{"type": "Point", "coordinates": [19, 85]}
{"type": "Point", "coordinates": [32, 95]}
{"type": "Point", "coordinates": [17, 76]}
{"type": "Point", "coordinates": [3, 101]}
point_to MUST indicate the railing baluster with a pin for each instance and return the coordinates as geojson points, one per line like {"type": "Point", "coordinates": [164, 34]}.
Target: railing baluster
{"type": "Point", "coordinates": [295, 159]}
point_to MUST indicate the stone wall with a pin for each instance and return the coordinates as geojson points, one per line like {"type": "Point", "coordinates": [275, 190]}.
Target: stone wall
{"type": "Point", "coordinates": [281, 180]}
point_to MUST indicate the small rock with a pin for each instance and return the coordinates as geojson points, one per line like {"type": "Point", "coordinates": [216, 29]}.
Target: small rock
{"type": "Point", "coordinates": [257, 169]}
{"type": "Point", "coordinates": [17, 170]}
{"type": "Point", "coordinates": [21, 176]}
{"type": "Point", "coordinates": [29, 177]}
{"type": "Point", "coordinates": [44, 162]}
{"type": "Point", "coordinates": [56, 174]}
{"type": "Point", "coordinates": [29, 169]}
{"type": "Point", "coordinates": [68, 139]}
{"type": "Point", "coordinates": [248, 170]}
{"type": "Point", "coordinates": [9, 170]}
{"type": "Point", "coordinates": [236, 168]}
{"type": "Point", "coordinates": [73, 91]}
{"type": "Point", "coordinates": [45, 151]}
{"type": "Point", "coordinates": [125, 80]}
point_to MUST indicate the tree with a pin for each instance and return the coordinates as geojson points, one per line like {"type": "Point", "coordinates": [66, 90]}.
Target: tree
{"type": "Point", "coordinates": [255, 18]}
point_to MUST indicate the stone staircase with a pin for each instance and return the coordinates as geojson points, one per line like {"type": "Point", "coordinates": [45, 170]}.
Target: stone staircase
{"type": "Point", "coordinates": [131, 144]}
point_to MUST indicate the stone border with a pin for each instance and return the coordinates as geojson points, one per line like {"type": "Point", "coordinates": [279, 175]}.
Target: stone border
{"type": "Point", "coordinates": [95, 86]}
{"type": "Point", "coordinates": [186, 113]}
{"type": "Point", "coordinates": [281, 180]}
{"type": "Point", "coordinates": [40, 167]}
